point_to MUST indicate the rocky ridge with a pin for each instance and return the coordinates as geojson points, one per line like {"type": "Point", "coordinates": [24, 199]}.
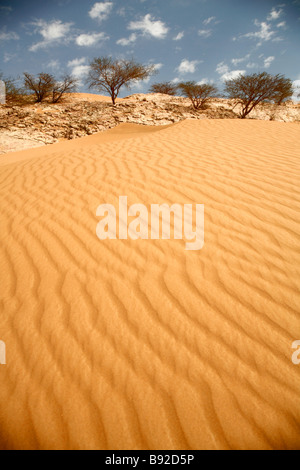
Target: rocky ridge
{"type": "Point", "coordinates": [42, 124]}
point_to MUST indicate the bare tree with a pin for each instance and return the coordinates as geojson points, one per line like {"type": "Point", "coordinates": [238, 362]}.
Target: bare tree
{"type": "Point", "coordinates": [42, 86]}
{"type": "Point", "coordinates": [67, 84]}
{"type": "Point", "coordinates": [199, 94]}
{"type": "Point", "coordinates": [251, 90]}
{"type": "Point", "coordinates": [167, 88]}
{"type": "Point", "coordinates": [109, 75]}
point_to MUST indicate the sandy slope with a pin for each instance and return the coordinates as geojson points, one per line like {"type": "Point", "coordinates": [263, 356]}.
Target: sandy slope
{"type": "Point", "coordinates": [141, 344]}
{"type": "Point", "coordinates": [89, 97]}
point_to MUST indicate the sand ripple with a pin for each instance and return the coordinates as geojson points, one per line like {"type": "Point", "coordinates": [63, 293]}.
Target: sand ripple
{"type": "Point", "coordinates": [141, 344]}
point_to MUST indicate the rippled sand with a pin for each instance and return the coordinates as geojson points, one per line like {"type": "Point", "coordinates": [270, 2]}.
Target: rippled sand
{"type": "Point", "coordinates": [141, 344]}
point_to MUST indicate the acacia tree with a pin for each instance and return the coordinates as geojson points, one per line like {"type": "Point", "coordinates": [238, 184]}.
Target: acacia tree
{"type": "Point", "coordinates": [251, 90]}
{"type": "Point", "coordinates": [167, 88]}
{"type": "Point", "coordinates": [41, 86]}
{"type": "Point", "coordinates": [199, 94]}
{"type": "Point", "coordinates": [109, 75]}
{"type": "Point", "coordinates": [67, 84]}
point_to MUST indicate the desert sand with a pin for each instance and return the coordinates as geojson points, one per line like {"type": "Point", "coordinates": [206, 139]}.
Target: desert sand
{"type": "Point", "coordinates": [123, 344]}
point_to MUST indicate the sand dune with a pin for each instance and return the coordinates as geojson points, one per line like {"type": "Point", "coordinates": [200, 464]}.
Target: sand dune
{"type": "Point", "coordinates": [140, 344]}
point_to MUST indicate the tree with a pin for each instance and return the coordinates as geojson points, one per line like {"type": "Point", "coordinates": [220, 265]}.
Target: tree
{"type": "Point", "coordinates": [167, 88]}
{"type": "Point", "coordinates": [42, 86]}
{"type": "Point", "coordinates": [199, 94]}
{"type": "Point", "coordinates": [109, 75]}
{"type": "Point", "coordinates": [68, 84]}
{"type": "Point", "coordinates": [251, 90]}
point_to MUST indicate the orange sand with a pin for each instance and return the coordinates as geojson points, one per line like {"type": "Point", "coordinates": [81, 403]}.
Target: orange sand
{"type": "Point", "coordinates": [141, 344]}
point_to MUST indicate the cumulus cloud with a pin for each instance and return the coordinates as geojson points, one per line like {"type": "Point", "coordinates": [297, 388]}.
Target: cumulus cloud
{"type": "Point", "coordinates": [5, 10]}
{"type": "Point", "coordinates": [222, 68]}
{"type": "Point", "coordinates": [252, 65]}
{"type": "Point", "coordinates": [226, 73]}
{"type": "Point", "coordinates": [8, 57]}
{"type": "Point", "coordinates": [205, 33]}
{"type": "Point", "coordinates": [209, 20]}
{"type": "Point", "coordinates": [274, 14]}
{"type": "Point", "coordinates": [232, 75]}
{"type": "Point", "coordinates": [54, 64]}
{"type": "Point", "coordinates": [127, 41]}
{"type": "Point", "coordinates": [296, 87]}
{"type": "Point", "coordinates": [52, 32]}
{"type": "Point", "coordinates": [179, 36]}
{"type": "Point", "coordinates": [240, 60]}
{"type": "Point", "coordinates": [8, 36]}
{"type": "Point", "coordinates": [188, 66]}
{"type": "Point", "coordinates": [90, 39]}
{"type": "Point", "coordinates": [101, 10]}
{"type": "Point", "coordinates": [150, 27]}
{"type": "Point", "coordinates": [79, 68]}
{"type": "Point", "coordinates": [268, 61]}
{"type": "Point", "coordinates": [264, 33]}
{"type": "Point", "coordinates": [203, 81]}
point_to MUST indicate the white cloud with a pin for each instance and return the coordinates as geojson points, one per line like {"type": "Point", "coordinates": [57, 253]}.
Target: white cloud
{"type": "Point", "coordinates": [188, 66]}
{"type": "Point", "coordinates": [90, 39]}
{"type": "Point", "coordinates": [264, 34]}
{"type": "Point", "coordinates": [209, 20]}
{"type": "Point", "coordinates": [179, 36]}
{"type": "Point", "coordinates": [222, 68]}
{"type": "Point", "coordinates": [205, 33]}
{"type": "Point", "coordinates": [139, 84]}
{"type": "Point", "coordinates": [226, 73]}
{"type": "Point", "coordinates": [158, 66]}
{"type": "Point", "coordinates": [8, 57]}
{"type": "Point", "coordinates": [268, 61]}
{"type": "Point", "coordinates": [79, 67]}
{"type": "Point", "coordinates": [203, 81]}
{"type": "Point", "coordinates": [282, 24]}
{"type": "Point", "coordinates": [101, 10]}
{"type": "Point", "coordinates": [8, 36]}
{"type": "Point", "coordinates": [296, 94]}
{"type": "Point", "coordinates": [232, 75]}
{"type": "Point", "coordinates": [54, 64]}
{"type": "Point", "coordinates": [149, 26]}
{"type": "Point", "coordinates": [6, 9]}
{"type": "Point", "coordinates": [252, 65]}
{"type": "Point", "coordinates": [274, 14]}
{"type": "Point", "coordinates": [126, 41]}
{"type": "Point", "coordinates": [240, 60]}
{"type": "Point", "coordinates": [53, 32]}
{"type": "Point", "coordinates": [296, 87]}
{"type": "Point", "coordinates": [121, 11]}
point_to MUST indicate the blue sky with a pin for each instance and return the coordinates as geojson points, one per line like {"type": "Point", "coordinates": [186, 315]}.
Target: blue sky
{"type": "Point", "coordinates": [201, 40]}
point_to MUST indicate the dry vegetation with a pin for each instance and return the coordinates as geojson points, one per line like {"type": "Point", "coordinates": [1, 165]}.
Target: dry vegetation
{"type": "Point", "coordinates": [79, 115]}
